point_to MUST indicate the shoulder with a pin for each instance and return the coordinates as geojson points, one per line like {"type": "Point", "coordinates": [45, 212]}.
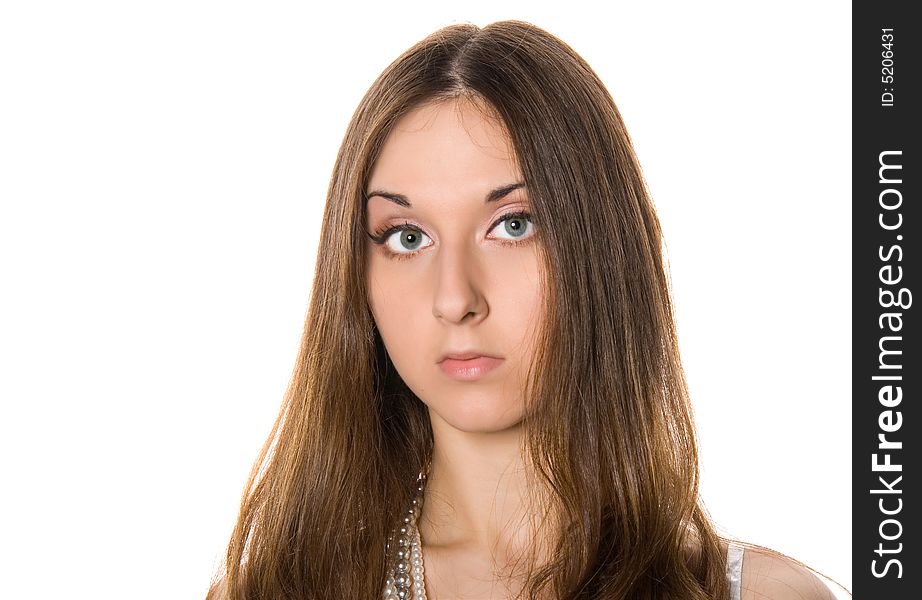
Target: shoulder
{"type": "Point", "coordinates": [769, 575]}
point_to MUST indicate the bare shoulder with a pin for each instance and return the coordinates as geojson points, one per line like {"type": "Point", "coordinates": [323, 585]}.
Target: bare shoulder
{"type": "Point", "coordinates": [770, 576]}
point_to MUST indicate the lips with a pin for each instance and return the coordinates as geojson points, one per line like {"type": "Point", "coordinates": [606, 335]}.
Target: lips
{"type": "Point", "coordinates": [466, 355]}
{"type": "Point", "coordinates": [468, 366]}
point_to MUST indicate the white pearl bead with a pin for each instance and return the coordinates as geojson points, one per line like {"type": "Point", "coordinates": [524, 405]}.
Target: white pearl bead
{"type": "Point", "coordinates": [409, 567]}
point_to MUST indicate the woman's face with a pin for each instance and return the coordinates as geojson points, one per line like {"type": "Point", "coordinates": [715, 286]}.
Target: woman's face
{"type": "Point", "coordinates": [457, 273]}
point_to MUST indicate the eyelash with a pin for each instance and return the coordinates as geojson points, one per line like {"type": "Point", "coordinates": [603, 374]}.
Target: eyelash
{"type": "Point", "coordinates": [380, 237]}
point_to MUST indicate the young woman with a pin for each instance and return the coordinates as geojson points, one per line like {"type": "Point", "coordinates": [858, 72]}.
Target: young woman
{"type": "Point", "coordinates": [488, 400]}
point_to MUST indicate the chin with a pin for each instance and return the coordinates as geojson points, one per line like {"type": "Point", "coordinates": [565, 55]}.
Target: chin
{"type": "Point", "coordinates": [473, 415]}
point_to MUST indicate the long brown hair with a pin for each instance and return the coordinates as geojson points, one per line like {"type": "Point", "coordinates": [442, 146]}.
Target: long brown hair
{"type": "Point", "coordinates": [609, 432]}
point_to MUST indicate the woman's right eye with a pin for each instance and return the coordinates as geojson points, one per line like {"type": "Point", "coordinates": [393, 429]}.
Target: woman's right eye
{"type": "Point", "coordinates": [401, 241]}
{"type": "Point", "coordinates": [406, 241]}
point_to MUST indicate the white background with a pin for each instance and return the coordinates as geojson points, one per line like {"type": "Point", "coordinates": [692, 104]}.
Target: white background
{"type": "Point", "coordinates": [163, 167]}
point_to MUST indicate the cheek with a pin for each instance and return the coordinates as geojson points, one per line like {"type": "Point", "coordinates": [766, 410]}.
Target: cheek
{"type": "Point", "coordinates": [531, 316]}
{"type": "Point", "coordinates": [527, 319]}
{"type": "Point", "coordinates": [397, 304]}
{"type": "Point", "coordinates": [378, 285]}
{"type": "Point", "coordinates": [522, 290]}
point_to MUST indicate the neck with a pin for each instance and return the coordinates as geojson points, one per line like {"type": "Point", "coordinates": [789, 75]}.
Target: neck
{"type": "Point", "coordinates": [476, 493]}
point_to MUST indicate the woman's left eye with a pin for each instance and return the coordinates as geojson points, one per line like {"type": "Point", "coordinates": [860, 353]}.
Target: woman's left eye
{"type": "Point", "coordinates": [517, 225]}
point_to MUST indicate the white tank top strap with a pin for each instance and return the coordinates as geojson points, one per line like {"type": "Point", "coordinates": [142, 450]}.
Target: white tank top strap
{"type": "Point", "coordinates": [735, 569]}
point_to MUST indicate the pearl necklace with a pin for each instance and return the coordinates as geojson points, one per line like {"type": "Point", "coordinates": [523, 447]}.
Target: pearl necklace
{"type": "Point", "coordinates": [409, 557]}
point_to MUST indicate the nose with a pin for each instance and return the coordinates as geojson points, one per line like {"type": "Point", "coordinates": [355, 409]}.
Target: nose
{"type": "Point", "coordinates": [459, 296]}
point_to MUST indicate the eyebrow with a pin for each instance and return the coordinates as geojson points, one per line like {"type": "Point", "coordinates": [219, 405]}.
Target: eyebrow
{"type": "Point", "coordinates": [493, 196]}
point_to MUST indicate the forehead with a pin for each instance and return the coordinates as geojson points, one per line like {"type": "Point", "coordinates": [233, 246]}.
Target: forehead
{"type": "Point", "coordinates": [452, 145]}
